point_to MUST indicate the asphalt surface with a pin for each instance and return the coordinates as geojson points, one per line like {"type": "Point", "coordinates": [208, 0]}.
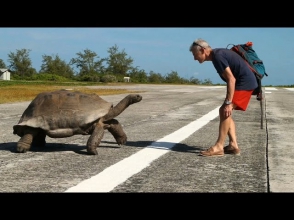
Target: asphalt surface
{"type": "Point", "coordinates": [161, 154]}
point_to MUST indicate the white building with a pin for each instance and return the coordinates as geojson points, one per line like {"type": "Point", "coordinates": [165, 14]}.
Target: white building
{"type": "Point", "coordinates": [4, 74]}
{"type": "Point", "coordinates": [127, 79]}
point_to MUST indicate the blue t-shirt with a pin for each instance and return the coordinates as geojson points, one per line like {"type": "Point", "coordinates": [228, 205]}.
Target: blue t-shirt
{"type": "Point", "coordinates": [245, 78]}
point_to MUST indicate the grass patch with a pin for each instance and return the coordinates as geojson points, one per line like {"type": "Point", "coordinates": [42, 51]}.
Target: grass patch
{"type": "Point", "coordinates": [26, 91]}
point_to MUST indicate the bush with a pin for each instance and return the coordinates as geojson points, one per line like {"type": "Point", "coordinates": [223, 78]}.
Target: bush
{"type": "Point", "coordinates": [89, 78]}
{"type": "Point", "coordinates": [108, 78]}
{"type": "Point", "coordinates": [48, 77]}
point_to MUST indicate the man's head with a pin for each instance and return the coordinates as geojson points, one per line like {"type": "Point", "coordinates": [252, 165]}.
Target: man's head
{"type": "Point", "coordinates": [200, 50]}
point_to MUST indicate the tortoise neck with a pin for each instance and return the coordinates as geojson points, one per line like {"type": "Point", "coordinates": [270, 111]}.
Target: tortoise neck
{"type": "Point", "coordinates": [118, 109]}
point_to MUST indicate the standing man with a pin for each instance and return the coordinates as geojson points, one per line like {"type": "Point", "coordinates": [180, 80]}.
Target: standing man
{"type": "Point", "coordinates": [240, 81]}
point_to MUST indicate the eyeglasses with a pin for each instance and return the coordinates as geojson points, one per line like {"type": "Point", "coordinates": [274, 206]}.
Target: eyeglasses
{"type": "Point", "coordinates": [196, 44]}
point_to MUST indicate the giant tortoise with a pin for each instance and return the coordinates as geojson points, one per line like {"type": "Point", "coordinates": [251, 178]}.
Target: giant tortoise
{"type": "Point", "coordinates": [65, 113]}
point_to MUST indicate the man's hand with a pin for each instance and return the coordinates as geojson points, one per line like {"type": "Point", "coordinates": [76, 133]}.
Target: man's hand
{"type": "Point", "coordinates": [228, 110]}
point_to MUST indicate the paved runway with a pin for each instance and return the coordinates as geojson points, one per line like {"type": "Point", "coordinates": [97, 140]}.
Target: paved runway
{"type": "Point", "coordinates": [166, 131]}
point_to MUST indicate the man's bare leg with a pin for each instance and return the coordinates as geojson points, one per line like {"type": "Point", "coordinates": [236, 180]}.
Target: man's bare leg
{"type": "Point", "coordinates": [224, 127]}
{"type": "Point", "coordinates": [226, 124]}
{"type": "Point", "coordinates": [232, 136]}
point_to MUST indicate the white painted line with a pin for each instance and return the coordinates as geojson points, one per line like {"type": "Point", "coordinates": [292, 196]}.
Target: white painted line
{"type": "Point", "coordinates": [118, 173]}
{"type": "Point", "coordinates": [290, 89]}
{"type": "Point", "coordinates": [270, 88]}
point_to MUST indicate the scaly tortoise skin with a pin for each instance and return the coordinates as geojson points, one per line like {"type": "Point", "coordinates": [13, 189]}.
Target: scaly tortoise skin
{"type": "Point", "coordinates": [64, 113]}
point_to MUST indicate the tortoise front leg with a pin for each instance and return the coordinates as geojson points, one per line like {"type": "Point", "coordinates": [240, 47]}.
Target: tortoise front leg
{"type": "Point", "coordinates": [117, 131]}
{"type": "Point", "coordinates": [25, 142]}
{"type": "Point", "coordinates": [95, 138]}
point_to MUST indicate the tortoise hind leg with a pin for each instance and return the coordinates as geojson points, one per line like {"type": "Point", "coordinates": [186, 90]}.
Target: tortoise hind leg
{"type": "Point", "coordinates": [25, 142]}
{"type": "Point", "coordinates": [40, 139]}
{"type": "Point", "coordinates": [117, 131]}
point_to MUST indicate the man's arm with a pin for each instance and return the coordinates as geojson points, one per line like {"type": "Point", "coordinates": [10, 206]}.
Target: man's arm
{"type": "Point", "coordinates": [230, 79]}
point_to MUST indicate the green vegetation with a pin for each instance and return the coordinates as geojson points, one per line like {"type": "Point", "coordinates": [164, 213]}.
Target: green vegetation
{"type": "Point", "coordinates": [87, 66]}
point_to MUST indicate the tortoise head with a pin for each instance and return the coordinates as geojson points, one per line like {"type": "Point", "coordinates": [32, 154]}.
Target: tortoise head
{"type": "Point", "coordinates": [134, 98]}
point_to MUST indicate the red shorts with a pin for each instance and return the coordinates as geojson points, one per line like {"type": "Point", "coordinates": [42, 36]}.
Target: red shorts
{"type": "Point", "coordinates": [241, 99]}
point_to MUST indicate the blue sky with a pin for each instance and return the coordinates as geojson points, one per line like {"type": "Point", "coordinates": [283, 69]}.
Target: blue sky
{"type": "Point", "coordinates": [160, 50]}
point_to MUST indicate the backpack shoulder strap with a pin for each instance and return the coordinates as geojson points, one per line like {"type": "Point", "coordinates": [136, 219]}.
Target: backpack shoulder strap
{"type": "Point", "coordinates": [233, 45]}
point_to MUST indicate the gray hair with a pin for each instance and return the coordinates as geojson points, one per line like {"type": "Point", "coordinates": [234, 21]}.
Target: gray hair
{"type": "Point", "coordinates": [198, 44]}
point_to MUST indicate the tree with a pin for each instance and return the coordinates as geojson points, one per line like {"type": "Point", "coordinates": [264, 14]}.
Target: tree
{"type": "Point", "coordinates": [155, 77]}
{"type": "Point", "coordinates": [118, 62]}
{"type": "Point", "coordinates": [2, 64]}
{"type": "Point", "coordinates": [195, 80]}
{"type": "Point", "coordinates": [21, 64]}
{"type": "Point", "coordinates": [86, 63]}
{"type": "Point", "coordinates": [173, 77]}
{"type": "Point", "coordinates": [54, 65]}
{"type": "Point", "coordinates": [207, 82]}
{"type": "Point", "coordinates": [138, 76]}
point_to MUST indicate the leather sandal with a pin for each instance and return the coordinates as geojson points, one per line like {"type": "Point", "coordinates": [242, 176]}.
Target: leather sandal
{"type": "Point", "coordinates": [229, 150]}
{"type": "Point", "coordinates": [210, 153]}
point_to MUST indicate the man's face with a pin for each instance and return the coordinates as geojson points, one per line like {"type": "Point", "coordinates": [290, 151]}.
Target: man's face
{"type": "Point", "coordinates": [198, 54]}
